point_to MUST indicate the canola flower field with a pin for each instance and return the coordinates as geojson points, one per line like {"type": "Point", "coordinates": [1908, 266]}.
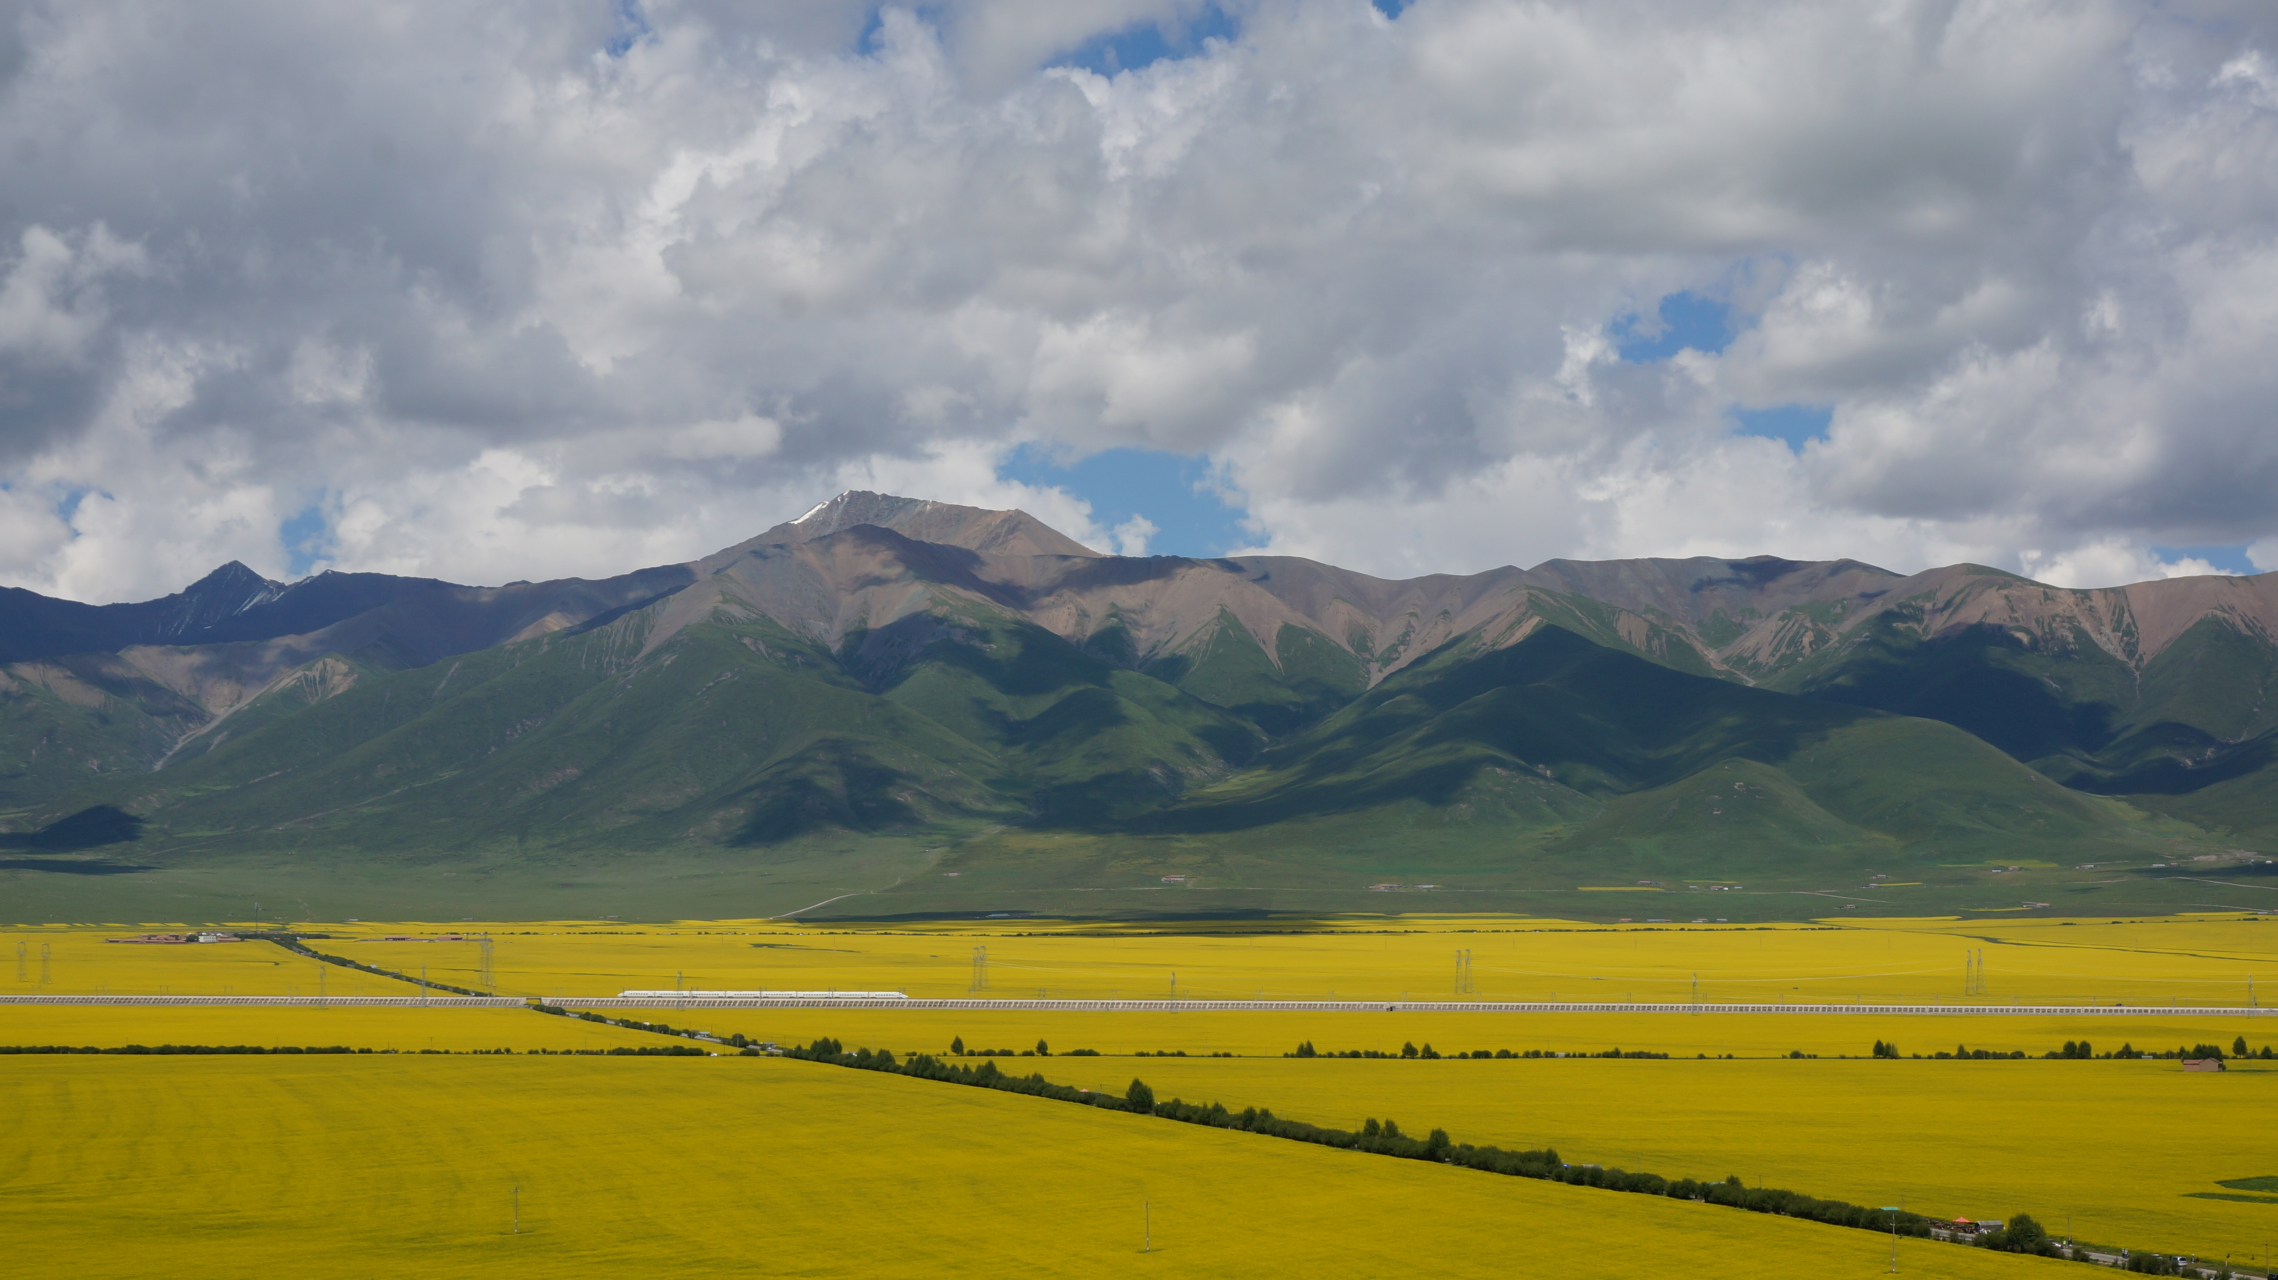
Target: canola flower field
{"type": "Point", "coordinates": [2134, 1152]}
{"type": "Point", "coordinates": [1256, 1034]}
{"type": "Point", "coordinates": [2206, 960]}
{"type": "Point", "coordinates": [2229, 959]}
{"type": "Point", "coordinates": [2128, 1152]}
{"type": "Point", "coordinates": [403, 1030]}
{"type": "Point", "coordinates": [130, 1167]}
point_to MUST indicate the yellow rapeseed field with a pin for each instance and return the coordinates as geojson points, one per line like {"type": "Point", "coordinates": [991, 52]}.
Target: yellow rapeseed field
{"type": "Point", "coordinates": [2202, 960]}
{"type": "Point", "coordinates": [2127, 1150]}
{"type": "Point", "coordinates": [81, 961]}
{"type": "Point", "coordinates": [2184, 960]}
{"type": "Point", "coordinates": [406, 1030]}
{"type": "Point", "coordinates": [1274, 1034]}
{"type": "Point", "coordinates": [409, 1166]}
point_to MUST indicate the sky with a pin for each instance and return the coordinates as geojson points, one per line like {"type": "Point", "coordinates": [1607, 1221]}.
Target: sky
{"type": "Point", "coordinates": [567, 287]}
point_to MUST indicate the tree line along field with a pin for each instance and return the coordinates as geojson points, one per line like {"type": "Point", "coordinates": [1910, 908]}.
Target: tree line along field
{"type": "Point", "coordinates": [1273, 1034]}
{"type": "Point", "coordinates": [130, 1167]}
{"type": "Point", "coordinates": [2130, 1152]}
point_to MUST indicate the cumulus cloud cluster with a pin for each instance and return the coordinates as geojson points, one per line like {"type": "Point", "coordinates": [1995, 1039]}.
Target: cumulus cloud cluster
{"type": "Point", "coordinates": [503, 291]}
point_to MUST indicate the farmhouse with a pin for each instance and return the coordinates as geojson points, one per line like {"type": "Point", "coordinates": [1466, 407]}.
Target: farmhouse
{"type": "Point", "coordinates": [2204, 1064]}
{"type": "Point", "coordinates": [1965, 1227]}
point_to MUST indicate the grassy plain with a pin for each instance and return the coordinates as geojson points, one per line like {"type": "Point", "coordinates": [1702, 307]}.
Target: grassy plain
{"type": "Point", "coordinates": [2126, 1149]}
{"type": "Point", "coordinates": [2187, 960]}
{"type": "Point", "coordinates": [130, 1167]}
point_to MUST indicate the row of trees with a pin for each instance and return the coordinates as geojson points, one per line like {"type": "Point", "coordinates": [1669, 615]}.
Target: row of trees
{"type": "Point", "coordinates": [2021, 1234]}
{"type": "Point", "coordinates": [2083, 1049]}
{"type": "Point", "coordinates": [293, 944]}
{"type": "Point", "coordinates": [1379, 1137]}
{"type": "Point", "coordinates": [1410, 1050]}
{"type": "Point", "coordinates": [1042, 1050]}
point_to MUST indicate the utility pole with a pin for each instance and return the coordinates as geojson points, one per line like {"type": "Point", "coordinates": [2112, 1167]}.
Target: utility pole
{"type": "Point", "coordinates": [1146, 1227]}
{"type": "Point", "coordinates": [518, 1208]}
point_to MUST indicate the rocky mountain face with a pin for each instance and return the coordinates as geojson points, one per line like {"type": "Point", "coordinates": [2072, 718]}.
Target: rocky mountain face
{"type": "Point", "coordinates": [889, 665]}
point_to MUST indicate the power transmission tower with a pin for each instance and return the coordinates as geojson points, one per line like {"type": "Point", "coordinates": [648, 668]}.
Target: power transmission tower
{"type": "Point", "coordinates": [488, 983]}
{"type": "Point", "coordinates": [23, 953]}
{"type": "Point", "coordinates": [46, 976]}
{"type": "Point", "coordinates": [1463, 983]}
{"type": "Point", "coordinates": [980, 969]}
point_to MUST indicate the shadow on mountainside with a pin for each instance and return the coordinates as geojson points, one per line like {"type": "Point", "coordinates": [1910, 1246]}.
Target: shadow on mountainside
{"type": "Point", "coordinates": [90, 828]}
{"type": "Point", "coordinates": [834, 784]}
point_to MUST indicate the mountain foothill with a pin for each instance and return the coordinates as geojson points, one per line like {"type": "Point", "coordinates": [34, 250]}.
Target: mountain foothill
{"type": "Point", "coordinates": [950, 709]}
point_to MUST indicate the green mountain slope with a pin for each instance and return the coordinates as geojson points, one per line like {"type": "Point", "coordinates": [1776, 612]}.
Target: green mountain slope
{"type": "Point", "coordinates": [733, 733]}
{"type": "Point", "coordinates": [1642, 759]}
{"type": "Point", "coordinates": [2199, 713]}
{"type": "Point", "coordinates": [998, 716]}
{"type": "Point", "coordinates": [65, 721]}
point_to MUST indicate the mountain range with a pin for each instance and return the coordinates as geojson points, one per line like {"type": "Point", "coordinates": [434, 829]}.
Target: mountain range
{"type": "Point", "coordinates": [911, 707]}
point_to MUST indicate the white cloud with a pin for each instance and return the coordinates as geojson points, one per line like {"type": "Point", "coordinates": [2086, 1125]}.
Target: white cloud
{"type": "Point", "coordinates": [501, 303]}
{"type": "Point", "coordinates": [1131, 536]}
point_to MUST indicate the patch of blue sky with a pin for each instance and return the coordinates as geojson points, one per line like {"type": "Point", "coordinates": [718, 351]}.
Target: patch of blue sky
{"type": "Point", "coordinates": [67, 506]}
{"type": "Point", "coordinates": [1794, 425]}
{"type": "Point", "coordinates": [632, 27]}
{"type": "Point", "coordinates": [1392, 8]}
{"type": "Point", "coordinates": [2226, 559]}
{"type": "Point", "coordinates": [306, 539]}
{"type": "Point", "coordinates": [1681, 320]}
{"type": "Point", "coordinates": [1169, 489]}
{"type": "Point", "coordinates": [1149, 43]}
